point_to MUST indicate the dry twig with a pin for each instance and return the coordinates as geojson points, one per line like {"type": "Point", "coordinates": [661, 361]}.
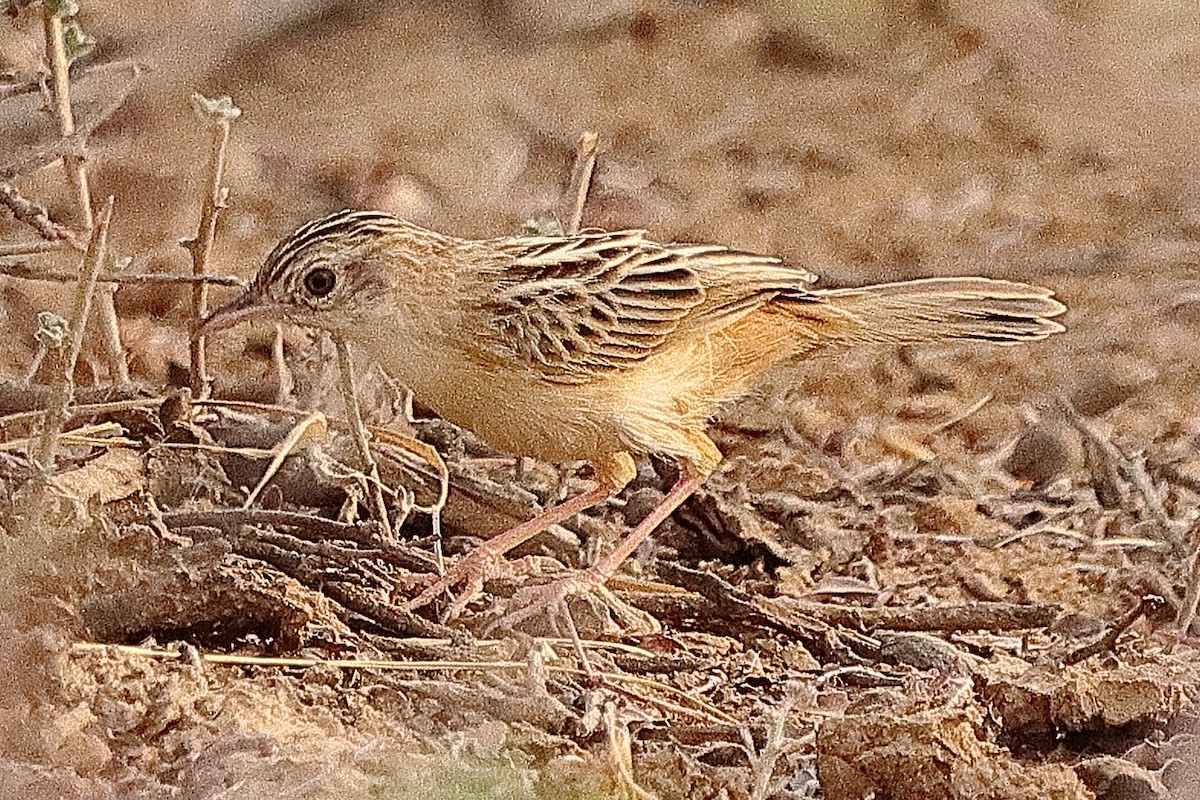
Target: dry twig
{"type": "Point", "coordinates": [1108, 640]}
{"type": "Point", "coordinates": [359, 431]}
{"type": "Point", "coordinates": [581, 180]}
{"type": "Point", "coordinates": [75, 165]}
{"type": "Point", "coordinates": [218, 114]}
{"type": "Point", "coordinates": [35, 216]}
{"type": "Point", "coordinates": [1186, 616]}
{"type": "Point", "coordinates": [60, 409]}
{"type": "Point", "coordinates": [21, 269]}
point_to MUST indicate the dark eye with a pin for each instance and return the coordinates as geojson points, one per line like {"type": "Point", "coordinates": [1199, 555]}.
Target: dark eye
{"type": "Point", "coordinates": [320, 282]}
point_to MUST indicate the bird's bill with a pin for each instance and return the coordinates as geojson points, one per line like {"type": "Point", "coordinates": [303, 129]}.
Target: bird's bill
{"type": "Point", "coordinates": [245, 306]}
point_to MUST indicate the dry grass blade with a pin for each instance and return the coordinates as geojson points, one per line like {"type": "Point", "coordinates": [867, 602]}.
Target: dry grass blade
{"type": "Point", "coordinates": [620, 750]}
{"type": "Point", "coordinates": [425, 456]}
{"type": "Point", "coordinates": [311, 427]}
{"type": "Point", "coordinates": [408, 666]}
{"type": "Point", "coordinates": [104, 434]}
{"type": "Point", "coordinates": [359, 431]}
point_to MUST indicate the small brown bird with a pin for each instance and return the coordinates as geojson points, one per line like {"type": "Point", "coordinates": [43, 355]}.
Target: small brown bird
{"type": "Point", "coordinates": [597, 346]}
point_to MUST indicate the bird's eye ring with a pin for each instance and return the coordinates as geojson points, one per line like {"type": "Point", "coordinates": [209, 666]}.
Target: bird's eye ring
{"type": "Point", "coordinates": [320, 282]}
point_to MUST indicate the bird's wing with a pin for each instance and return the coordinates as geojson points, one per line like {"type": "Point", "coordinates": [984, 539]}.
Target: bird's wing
{"type": "Point", "coordinates": [574, 308]}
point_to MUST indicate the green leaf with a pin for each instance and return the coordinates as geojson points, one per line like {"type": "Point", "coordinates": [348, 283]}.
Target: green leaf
{"type": "Point", "coordinates": [62, 8]}
{"type": "Point", "coordinates": [77, 43]}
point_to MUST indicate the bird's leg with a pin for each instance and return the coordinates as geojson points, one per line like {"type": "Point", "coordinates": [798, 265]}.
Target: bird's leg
{"type": "Point", "coordinates": [548, 597]}
{"type": "Point", "coordinates": [612, 473]}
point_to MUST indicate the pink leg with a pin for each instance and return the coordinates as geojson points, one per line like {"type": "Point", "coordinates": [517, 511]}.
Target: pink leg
{"type": "Point", "coordinates": [540, 598]}
{"type": "Point", "coordinates": [605, 567]}
{"type": "Point", "coordinates": [474, 569]}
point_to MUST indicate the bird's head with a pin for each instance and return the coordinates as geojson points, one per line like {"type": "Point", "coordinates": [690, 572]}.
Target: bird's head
{"type": "Point", "coordinates": [339, 273]}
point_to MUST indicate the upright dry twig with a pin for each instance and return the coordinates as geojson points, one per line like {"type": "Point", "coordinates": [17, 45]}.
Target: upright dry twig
{"type": "Point", "coordinates": [581, 180]}
{"type": "Point", "coordinates": [75, 164]}
{"type": "Point", "coordinates": [60, 93]}
{"type": "Point", "coordinates": [64, 387]}
{"type": "Point", "coordinates": [763, 764]}
{"type": "Point", "coordinates": [218, 113]}
{"type": "Point", "coordinates": [359, 431]}
{"type": "Point", "coordinates": [1186, 615]}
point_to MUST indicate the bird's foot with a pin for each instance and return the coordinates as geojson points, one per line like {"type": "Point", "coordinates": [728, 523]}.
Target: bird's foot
{"type": "Point", "coordinates": [578, 601]}
{"type": "Point", "coordinates": [471, 572]}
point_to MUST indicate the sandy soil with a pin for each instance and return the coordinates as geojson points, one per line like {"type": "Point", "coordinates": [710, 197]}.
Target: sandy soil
{"type": "Point", "coordinates": [1033, 140]}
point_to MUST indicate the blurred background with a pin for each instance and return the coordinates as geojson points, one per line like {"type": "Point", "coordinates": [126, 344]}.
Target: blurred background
{"type": "Point", "coordinates": [1044, 140]}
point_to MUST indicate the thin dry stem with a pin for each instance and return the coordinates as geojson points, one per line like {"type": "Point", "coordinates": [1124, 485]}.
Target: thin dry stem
{"type": "Point", "coordinates": [201, 250]}
{"type": "Point", "coordinates": [21, 269]}
{"type": "Point", "coordinates": [75, 165]}
{"type": "Point", "coordinates": [620, 749]}
{"type": "Point", "coordinates": [36, 217]}
{"type": "Point", "coordinates": [1186, 616]}
{"type": "Point", "coordinates": [31, 249]}
{"type": "Point", "coordinates": [1108, 641]}
{"type": "Point", "coordinates": [775, 747]}
{"type": "Point", "coordinates": [60, 92]}
{"type": "Point", "coordinates": [283, 376]}
{"type": "Point", "coordinates": [358, 431]}
{"type": "Point", "coordinates": [581, 180]}
{"type": "Point", "coordinates": [65, 383]}
{"type": "Point", "coordinates": [311, 427]}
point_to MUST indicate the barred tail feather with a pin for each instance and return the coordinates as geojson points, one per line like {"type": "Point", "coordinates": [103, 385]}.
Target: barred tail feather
{"type": "Point", "coordinates": [981, 309]}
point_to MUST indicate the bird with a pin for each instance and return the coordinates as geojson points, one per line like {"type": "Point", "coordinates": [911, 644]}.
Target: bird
{"type": "Point", "coordinates": [597, 346]}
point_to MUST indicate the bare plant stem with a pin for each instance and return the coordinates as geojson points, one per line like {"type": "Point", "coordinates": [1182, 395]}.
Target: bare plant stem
{"type": "Point", "coordinates": [60, 90]}
{"type": "Point", "coordinates": [581, 180]}
{"type": "Point", "coordinates": [284, 382]}
{"type": "Point", "coordinates": [65, 384]}
{"type": "Point", "coordinates": [22, 269]}
{"type": "Point", "coordinates": [359, 431]}
{"type": "Point", "coordinates": [31, 249]}
{"type": "Point", "coordinates": [201, 249]}
{"type": "Point", "coordinates": [1186, 615]}
{"type": "Point", "coordinates": [75, 164]}
{"type": "Point", "coordinates": [35, 216]}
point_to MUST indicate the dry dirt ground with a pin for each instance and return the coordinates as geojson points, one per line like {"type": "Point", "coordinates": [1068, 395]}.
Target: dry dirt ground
{"type": "Point", "coordinates": [938, 572]}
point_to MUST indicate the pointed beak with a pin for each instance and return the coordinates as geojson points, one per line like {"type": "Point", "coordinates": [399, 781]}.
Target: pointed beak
{"type": "Point", "coordinates": [243, 307]}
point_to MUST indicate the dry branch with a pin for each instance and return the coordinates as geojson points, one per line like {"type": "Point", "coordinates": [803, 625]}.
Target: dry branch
{"type": "Point", "coordinates": [218, 113]}
{"type": "Point", "coordinates": [65, 385]}
{"type": "Point", "coordinates": [75, 165]}
{"type": "Point", "coordinates": [21, 269]}
{"type": "Point", "coordinates": [581, 181]}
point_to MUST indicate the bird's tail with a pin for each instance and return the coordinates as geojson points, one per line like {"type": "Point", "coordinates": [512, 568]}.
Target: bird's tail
{"type": "Point", "coordinates": [930, 310]}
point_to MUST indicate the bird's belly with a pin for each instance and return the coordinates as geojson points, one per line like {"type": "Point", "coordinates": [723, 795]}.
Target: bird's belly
{"type": "Point", "coordinates": [521, 415]}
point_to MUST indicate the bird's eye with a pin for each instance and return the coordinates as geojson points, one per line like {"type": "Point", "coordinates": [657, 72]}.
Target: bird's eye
{"type": "Point", "coordinates": [320, 282]}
